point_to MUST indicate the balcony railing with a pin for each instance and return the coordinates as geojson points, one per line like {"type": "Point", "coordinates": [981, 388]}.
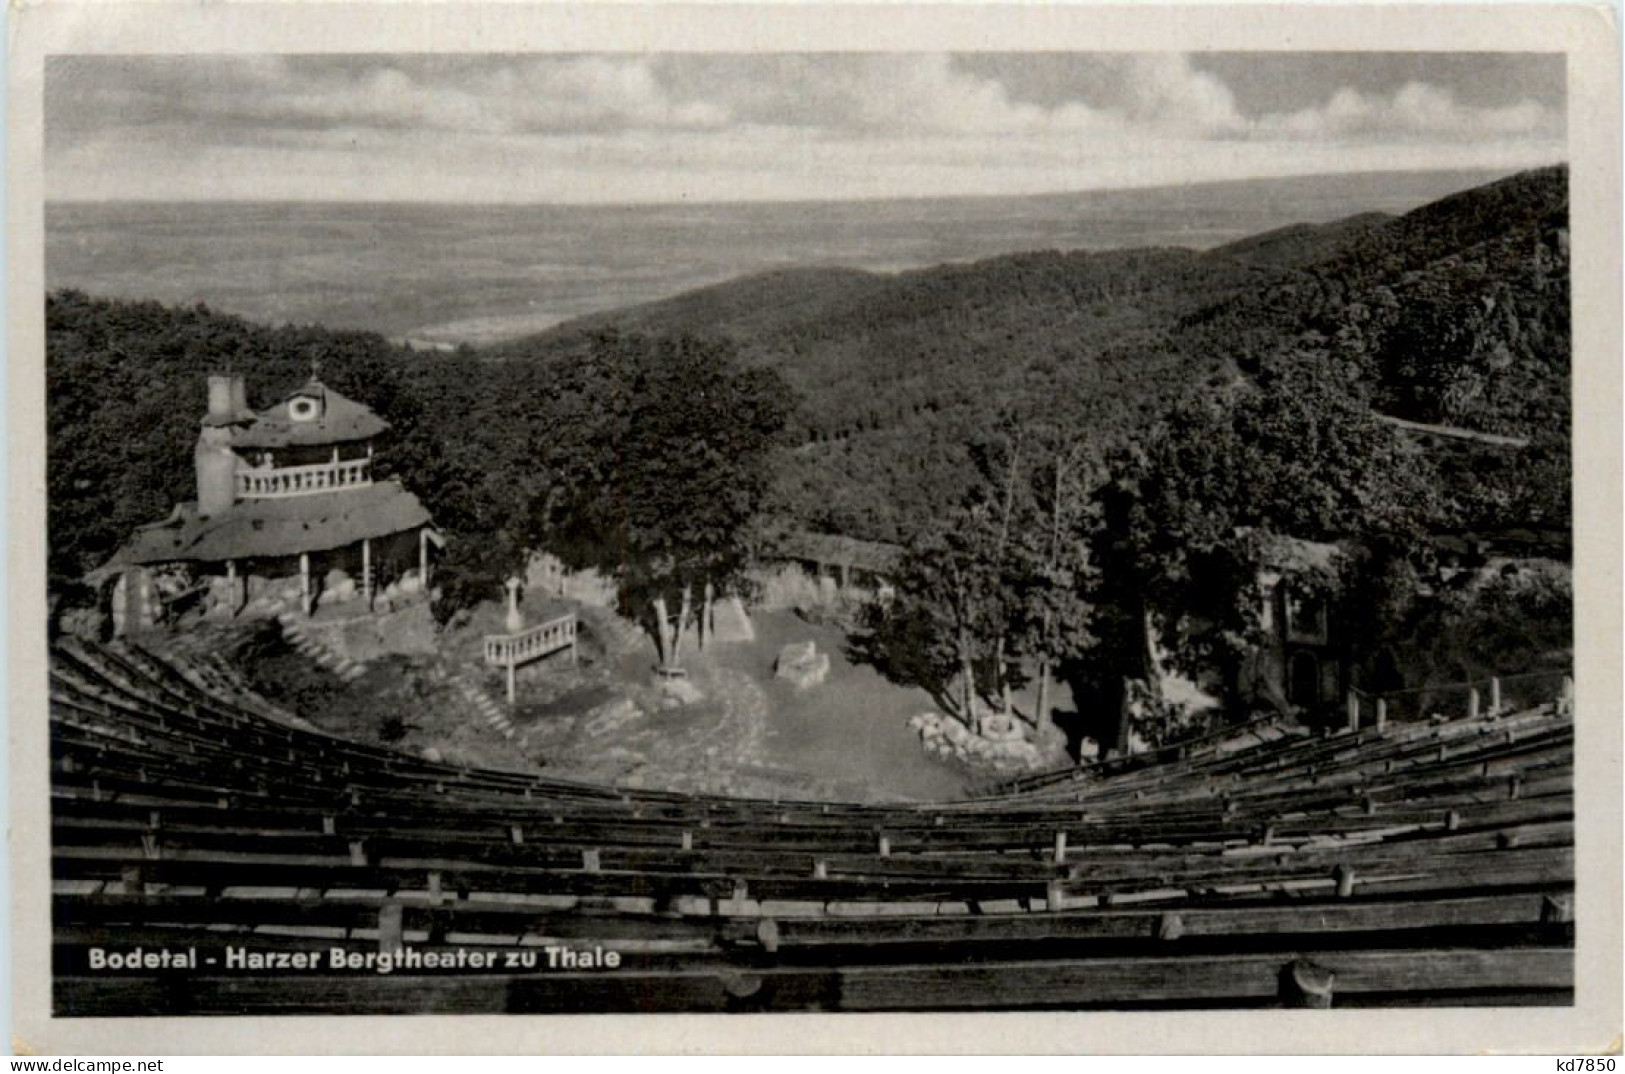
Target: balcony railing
{"type": "Point", "coordinates": [303, 480]}
{"type": "Point", "coordinates": [511, 650]}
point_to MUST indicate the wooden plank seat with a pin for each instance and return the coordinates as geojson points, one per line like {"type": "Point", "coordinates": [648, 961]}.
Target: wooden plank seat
{"type": "Point", "coordinates": [1479, 919]}
{"type": "Point", "coordinates": [1528, 974]}
{"type": "Point", "coordinates": [1161, 928]}
{"type": "Point", "coordinates": [925, 849]}
{"type": "Point", "coordinates": [185, 811]}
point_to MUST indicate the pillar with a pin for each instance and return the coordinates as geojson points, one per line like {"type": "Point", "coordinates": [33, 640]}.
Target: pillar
{"type": "Point", "coordinates": [423, 558]}
{"type": "Point", "coordinates": [304, 581]}
{"type": "Point", "coordinates": [1354, 711]}
{"type": "Point", "coordinates": [366, 569]}
{"type": "Point", "coordinates": [1472, 702]}
{"type": "Point", "coordinates": [1495, 695]}
{"type": "Point", "coordinates": [1565, 700]}
{"type": "Point", "coordinates": [1382, 714]}
{"type": "Point", "coordinates": [232, 582]}
{"type": "Point", "coordinates": [510, 682]}
{"type": "Point", "coordinates": [515, 621]}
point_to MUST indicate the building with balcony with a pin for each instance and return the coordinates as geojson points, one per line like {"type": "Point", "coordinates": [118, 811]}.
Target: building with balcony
{"type": "Point", "coordinates": [287, 516]}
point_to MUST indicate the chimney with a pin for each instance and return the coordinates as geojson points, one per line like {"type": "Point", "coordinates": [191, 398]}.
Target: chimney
{"type": "Point", "coordinates": [216, 467]}
{"type": "Point", "coordinates": [222, 392]}
{"type": "Point", "coordinates": [239, 393]}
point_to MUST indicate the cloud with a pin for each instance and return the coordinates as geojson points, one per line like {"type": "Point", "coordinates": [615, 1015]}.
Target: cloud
{"type": "Point", "coordinates": [511, 95]}
{"type": "Point", "coordinates": [606, 127]}
{"type": "Point", "coordinates": [1415, 109]}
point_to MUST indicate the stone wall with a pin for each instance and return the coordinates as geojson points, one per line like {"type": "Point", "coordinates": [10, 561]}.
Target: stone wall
{"type": "Point", "coordinates": [365, 637]}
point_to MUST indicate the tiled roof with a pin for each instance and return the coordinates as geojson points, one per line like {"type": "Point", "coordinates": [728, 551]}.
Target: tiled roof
{"type": "Point", "coordinates": [342, 420]}
{"type": "Point", "coordinates": [279, 527]}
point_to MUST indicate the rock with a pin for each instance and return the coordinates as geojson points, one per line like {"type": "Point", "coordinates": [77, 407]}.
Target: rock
{"type": "Point", "coordinates": [82, 623]}
{"type": "Point", "coordinates": [340, 592]}
{"type": "Point", "coordinates": [676, 691]}
{"type": "Point", "coordinates": [1008, 750]}
{"type": "Point", "coordinates": [432, 755]}
{"type": "Point", "coordinates": [801, 663]}
{"type": "Point", "coordinates": [795, 653]}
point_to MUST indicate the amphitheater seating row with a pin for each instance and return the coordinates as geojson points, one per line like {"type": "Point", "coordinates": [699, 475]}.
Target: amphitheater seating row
{"type": "Point", "coordinates": [1428, 863]}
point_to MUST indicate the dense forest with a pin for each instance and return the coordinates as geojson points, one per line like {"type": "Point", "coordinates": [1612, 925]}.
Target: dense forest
{"type": "Point", "coordinates": [1454, 313]}
{"type": "Point", "coordinates": [1184, 396]}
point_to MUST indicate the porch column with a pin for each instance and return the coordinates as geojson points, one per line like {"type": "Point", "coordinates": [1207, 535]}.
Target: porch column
{"type": "Point", "coordinates": [304, 581]}
{"type": "Point", "coordinates": [366, 570]}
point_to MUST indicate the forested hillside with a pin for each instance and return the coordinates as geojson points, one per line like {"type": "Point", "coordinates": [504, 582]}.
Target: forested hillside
{"type": "Point", "coordinates": [1457, 312]}
{"type": "Point", "coordinates": [898, 375]}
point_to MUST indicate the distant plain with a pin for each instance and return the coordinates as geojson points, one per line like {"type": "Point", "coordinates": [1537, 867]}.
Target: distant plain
{"type": "Point", "coordinates": [445, 274]}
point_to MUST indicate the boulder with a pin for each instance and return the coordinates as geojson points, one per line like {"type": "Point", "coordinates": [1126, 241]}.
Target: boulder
{"type": "Point", "coordinates": [676, 691]}
{"type": "Point", "coordinates": [802, 664]}
{"type": "Point", "coordinates": [341, 593]}
{"type": "Point", "coordinates": [796, 652]}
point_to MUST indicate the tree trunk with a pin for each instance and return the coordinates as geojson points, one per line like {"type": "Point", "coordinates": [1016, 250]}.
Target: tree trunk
{"type": "Point", "coordinates": [967, 681]}
{"type": "Point", "coordinates": [1125, 719]}
{"type": "Point", "coordinates": [1004, 682]}
{"type": "Point", "coordinates": [662, 635]}
{"type": "Point", "coordinates": [683, 614]}
{"type": "Point", "coordinates": [1041, 713]}
{"type": "Point", "coordinates": [706, 626]}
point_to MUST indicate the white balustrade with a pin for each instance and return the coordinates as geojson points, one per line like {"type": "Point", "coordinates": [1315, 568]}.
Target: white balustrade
{"type": "Point", "coordinates": [303, 480]}
{"type": "Point", "coordinates": [511, 650]}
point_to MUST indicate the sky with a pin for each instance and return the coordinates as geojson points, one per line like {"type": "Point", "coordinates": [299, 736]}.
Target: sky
{"type": "Point", "coordinates": [667, 127]}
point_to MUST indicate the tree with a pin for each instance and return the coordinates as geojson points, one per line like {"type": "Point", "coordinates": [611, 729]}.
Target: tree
{"type": "Point", "coordinates": [999, 583]}
{"type": "Point", "coordinates": [947, 621]}
{"type": "Point", "coordinates": [662, 474]}
{"type": "Point", "coordinates": [1057, 619]}
{"type": "Point", "coordinates": [1195, 508]}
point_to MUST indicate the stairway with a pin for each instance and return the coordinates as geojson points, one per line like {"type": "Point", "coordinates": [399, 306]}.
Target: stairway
{"type": "Point", "coordinates": [293, 628]}
{"type": "Point", "coordinates": [489, 710]}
